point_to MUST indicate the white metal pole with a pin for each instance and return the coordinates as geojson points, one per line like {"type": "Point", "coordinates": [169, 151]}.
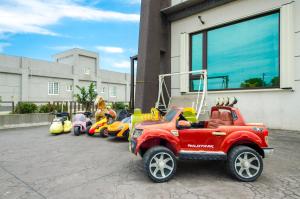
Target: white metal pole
{"type": "Point", "coordinates": [198, 94]}
{"type": "Point", "coordinates": [159, 91]}
{"type": "Point", "coordinates": [203, 95]}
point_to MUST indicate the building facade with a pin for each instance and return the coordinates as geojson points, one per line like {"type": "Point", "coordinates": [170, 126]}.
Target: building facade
{"type": "Point", "coordinates": [250, 49]}
{"type": "Point", "coordinates": [26, 79]}
{"type": "Point", "coordinates": [115, 86]}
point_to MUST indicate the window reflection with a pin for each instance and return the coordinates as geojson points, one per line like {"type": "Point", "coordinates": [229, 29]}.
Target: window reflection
{"type": "Point", "coordinates": [241, 55]}
{"type": "Point", "coordinates": [197, 41]}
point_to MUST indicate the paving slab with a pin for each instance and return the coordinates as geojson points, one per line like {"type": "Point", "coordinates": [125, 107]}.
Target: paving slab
{"type": "Point", "coordinates": [35, 164]}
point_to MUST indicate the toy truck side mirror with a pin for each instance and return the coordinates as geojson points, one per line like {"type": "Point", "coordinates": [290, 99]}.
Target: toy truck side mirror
{"type": "Point", "coordinates": [182, 124]}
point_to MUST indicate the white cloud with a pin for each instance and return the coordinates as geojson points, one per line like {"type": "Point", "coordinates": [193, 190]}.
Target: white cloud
{"type": "Point", "coordinates": [110, 49]}
{"type": "Point", "coordinates": [135, 1]}
{"type": "Point", "coordinates": [3, 45]}
{"type": "Point", "coordinates": [116, 62]}
{"type": "Point", "coordinates": [33, 16]}
{"type": "Point", "coordinates": [121, 64]}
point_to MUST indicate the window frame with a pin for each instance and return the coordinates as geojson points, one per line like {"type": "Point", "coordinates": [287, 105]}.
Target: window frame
{"type": "Point", "coordinates": [113, 91]}
{"type": "Point", "coordinates": [205, 50]}
{"type": "Point", "coordinates": [69, 88]}
{"type": "Point", "coordinates": [102, 90]}
{"type": "Point", "coordinates": [86, 71]}
{"type": "Point", "coordinates": [52, 85]}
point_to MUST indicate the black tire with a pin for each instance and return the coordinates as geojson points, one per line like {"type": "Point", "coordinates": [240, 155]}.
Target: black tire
{"type": "Point", "coordinates": [88, 129]}
{"type": "Point", "coordinates": [76, 130]}
{"type": "Point", "coordinates": [89, 124]}
{"type": "Point", "coordinates": [246, 170]}
{"type": "Point", "coordinates": [126, 134]}
{"type": "Point", "coordinates": [102, 133]}
{"type": "Point", "coordinates": [149, 159]}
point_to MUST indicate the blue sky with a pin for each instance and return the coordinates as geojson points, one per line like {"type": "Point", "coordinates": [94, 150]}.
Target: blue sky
{"type": "Point", "coordinates": [41, 28]}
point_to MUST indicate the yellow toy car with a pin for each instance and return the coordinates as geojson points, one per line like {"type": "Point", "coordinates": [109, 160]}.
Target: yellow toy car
{"type": "Point", "coordinates": [156, 114]}
{"type": "Point", "coordinates": [119, 129]}
{"type": "Point", "coordinates": [110, 121]}
{"type": "Point", "coordinates": [138, 117]}
{"type": "Point", "coordinates": [189, 114]}
{"type": "Point", "coordinates": [101, 126]}
{"type": "Point", "coordinates": [61, 124]}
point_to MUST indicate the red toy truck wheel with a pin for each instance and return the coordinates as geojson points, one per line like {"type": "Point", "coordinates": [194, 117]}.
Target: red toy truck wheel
{"type": "Point", "coordinates": [160, 164]}
{"type": "Point", "coordinates": [244, 163]}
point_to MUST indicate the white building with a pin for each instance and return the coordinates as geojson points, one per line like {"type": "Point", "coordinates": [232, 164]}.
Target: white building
{"type": "Point", "coordinates": [26, 79]}
{"type": "Point", "coordinates": [250, 49]}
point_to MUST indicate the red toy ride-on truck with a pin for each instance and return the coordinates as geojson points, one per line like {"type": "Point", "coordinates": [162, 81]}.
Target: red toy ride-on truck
{"type": "Point", "coordinates": [225, 136]}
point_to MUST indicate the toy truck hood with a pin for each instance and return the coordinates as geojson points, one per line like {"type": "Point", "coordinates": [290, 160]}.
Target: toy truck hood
{"type": "Point", "coordinates": [161, 124]}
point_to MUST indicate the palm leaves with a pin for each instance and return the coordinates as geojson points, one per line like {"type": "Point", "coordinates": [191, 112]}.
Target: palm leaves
{"type": "Point", "coordinates": [87, 96]}
{"type": "Point", "coordinates": [92, 94]}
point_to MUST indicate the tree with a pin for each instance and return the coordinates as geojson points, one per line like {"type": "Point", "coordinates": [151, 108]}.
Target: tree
{"type": "Point", "coordinates": [87, 96]}
{"type": "Point", "coordinates": [92, 94]}
{"type": "Point", "coordinates": [253, 83]}
{"type": "Point", "coordinates": [275, 81]}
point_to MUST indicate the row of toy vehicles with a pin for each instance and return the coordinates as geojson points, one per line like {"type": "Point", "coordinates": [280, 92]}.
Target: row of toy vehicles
{"type": "Point", "coordinates": [62, 123]}
{"type": "Point", "coordinates": [81, 121]}
{"type": "Point", "coordinates": [108, 122]}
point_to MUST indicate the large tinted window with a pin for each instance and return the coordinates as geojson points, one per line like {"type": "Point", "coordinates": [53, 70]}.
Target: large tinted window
{"type": "Point", "coordinates": [197, 46]}
{"type": "Point", "coordinates": [197, 58]}
{"type": "Point", "coordinates": [242, 55]}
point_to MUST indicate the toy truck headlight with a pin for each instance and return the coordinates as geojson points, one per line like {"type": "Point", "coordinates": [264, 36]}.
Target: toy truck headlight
{"type": "Point", "coordinates": [137, 133]}
{"type": "Point", "coordinates": [267, 140]}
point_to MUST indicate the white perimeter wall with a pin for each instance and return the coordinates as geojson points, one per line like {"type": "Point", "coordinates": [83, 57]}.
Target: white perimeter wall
{"type": "Point", "coordinates": [277, 108]}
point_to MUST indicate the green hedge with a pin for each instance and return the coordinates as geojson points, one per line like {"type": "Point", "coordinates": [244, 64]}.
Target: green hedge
{"type": "Point", "coordinates": [25, 107]}
{"type": "Point", "coordinates": [119, 105]}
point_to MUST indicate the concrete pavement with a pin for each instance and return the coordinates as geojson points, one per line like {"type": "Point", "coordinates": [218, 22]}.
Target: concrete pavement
{"type": "Point", "coordinates": [34, 164]}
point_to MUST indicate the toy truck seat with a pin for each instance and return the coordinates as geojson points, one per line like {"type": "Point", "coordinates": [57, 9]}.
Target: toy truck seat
{"type": "Point", "coordinates": [214, 120]}
{"type": "Point", "coordinates": [220, 118]}
{"type": "Point", "coordinates": [226, 118]}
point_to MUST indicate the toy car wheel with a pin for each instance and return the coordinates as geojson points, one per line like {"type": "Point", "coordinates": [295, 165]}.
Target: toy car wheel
{"type": "Point", "coordinates": [103, 132]}
{"type": "Point", "coordinates": [160, 164]}
{"type": "Point", "coordinates": [77, 130]}
{"type": "Point", "coordinates": [88, 129]}
{"type": "Point", "coordinates": [126, 134]}
{"type": "Point", "coordinates": [244, 163]}
{"type": "Point", "coordinates": [89, 133]}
